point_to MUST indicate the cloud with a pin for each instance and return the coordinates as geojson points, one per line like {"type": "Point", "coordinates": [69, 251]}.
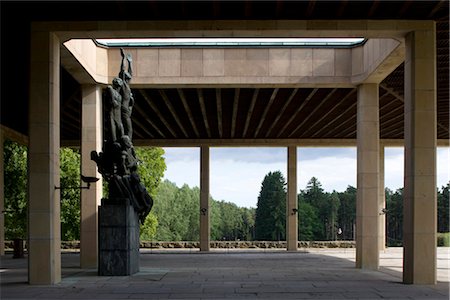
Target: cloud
{"type": "Point", "coordinates": [237, 173]}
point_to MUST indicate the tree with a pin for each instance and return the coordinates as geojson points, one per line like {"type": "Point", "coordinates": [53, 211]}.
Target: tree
{"type": "Point", "coordinates": [443, 209]}
{"type": "Point", "coordinates": [347, 213]}
{"type": "Point", "coordinates": [317, 198]}
{"type": "Point", "coordinates": [15, 189]}
{"type": "Point", "coordinates": [152, 166]}
{"type": "Point", "coordinates": [270, 220]}
{"type": "Point", "coordinates": [333, 216]}
{"type": "Point", "coordinates": [308, 221]}
{"type": "Point", "coordinates": [394, 217]}
{"type": "Point", "coordinates": [70, 197]}
{"type": "Point", "coordinates": [148, 229]}
{"type": "Point", "coordinates": [166, 212]}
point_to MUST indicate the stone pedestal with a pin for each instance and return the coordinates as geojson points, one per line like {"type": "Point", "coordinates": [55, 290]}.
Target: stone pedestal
{"type": "Point", "coordinates": [118, 238]}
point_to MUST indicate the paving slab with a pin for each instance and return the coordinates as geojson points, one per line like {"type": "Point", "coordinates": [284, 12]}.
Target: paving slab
{"type": "Point", "coordinates": [232, 274]}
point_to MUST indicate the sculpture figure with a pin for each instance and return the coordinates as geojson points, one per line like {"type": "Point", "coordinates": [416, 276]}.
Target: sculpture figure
{"type": "Point", "coordinates": [127, 95]}
{"type": "Point", "coordinates": [114, 103]}
{"type": "Point", "coordinates": [117, 162]}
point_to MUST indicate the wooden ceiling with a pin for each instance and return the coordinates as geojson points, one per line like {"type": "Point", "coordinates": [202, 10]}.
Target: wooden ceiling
{"type": "Point", "coordinates": [203, 113]}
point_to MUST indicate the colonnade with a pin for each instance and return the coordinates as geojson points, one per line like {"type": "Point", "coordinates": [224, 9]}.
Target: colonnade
{"type": "Point", "coordinates": [420, 167]}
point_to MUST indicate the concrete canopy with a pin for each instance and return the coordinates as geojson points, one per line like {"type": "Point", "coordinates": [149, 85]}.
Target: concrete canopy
{"type": "Point", "coordinates": [233, 102]}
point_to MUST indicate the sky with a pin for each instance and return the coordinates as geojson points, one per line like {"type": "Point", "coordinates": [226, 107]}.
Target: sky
{"type": "Point", "coordinates": [236, 174]}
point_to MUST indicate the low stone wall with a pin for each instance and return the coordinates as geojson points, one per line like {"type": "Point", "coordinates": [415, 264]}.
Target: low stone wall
{"type": "Point", "coordinates": [248, 244]}
{"type": "Point", "coordinates": [219, 244]}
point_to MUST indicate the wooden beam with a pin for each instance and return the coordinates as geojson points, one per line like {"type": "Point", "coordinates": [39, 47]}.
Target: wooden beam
{"type": "Point", "coordinates": [294, 115]}
{"type": "Point", "coordinates": [352, 91]}
{"type": "Point", "coordinates": [250, 111]}
{"type": "Point", "coordinates": [286, 104]}
{"type": "Point", "coordinates": [173, 111]}
{"type": "Point", "coordinates": [148, 120]}
{"type": "Point", "coordinates": [201, 100]}
{"type": "Point", "coordinates": [335, 119]}
{"type": "Point", "coordinates": [310, 8]}
{"type": "Point", "coordinates": [188, 111]}
{"type": "Point", "coordinates": [142, 127]}
{"type": "Point", "coordinates": [219, 111]}
{"type": "Point", "coordinates": [235, 110]}
{"type": "Point", "coordinates": [402, 99]}
{"type": "Point", "coordinates": [373, 8]}
{"type": "Point", "coordinates": [158, 113]}
{"type": "Point", "coordinates": [316, 108]}
{"type": "Point", "coordinates": [263, 117]}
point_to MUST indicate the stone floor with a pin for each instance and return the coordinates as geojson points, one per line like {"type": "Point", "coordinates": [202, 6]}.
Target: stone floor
{"type": "Point", "coordinates": [225, 274]}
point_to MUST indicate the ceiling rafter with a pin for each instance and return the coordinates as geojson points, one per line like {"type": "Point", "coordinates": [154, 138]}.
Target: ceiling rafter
{"type": "Point", "coordinates": [158, 113]}
{"type": "Point", "coordinates": [353, 106]}
{"type": "Point", "coordinates": [263, 117]}
{"type": "Point", "coordinates": [312, 112]}
{"type": "Point", "coordinates": [201, 100]}
{"type": "Point", "coordinates": [188, 111]}
{"type": "Point", "coordinates": [250, 111]}
{"type": "Point", "coordinates": [310, 9]}
{"type": "Point", "coordinates": [141, 127]}
{"type": "Point", "coordinates": [350, 93]}
{"type": "Point", "coordinates": [294, 115]}
{"type": "Point", "coordinates": [286, 104]}
{"type": "Point", "coordinates": [219, 111]}
{"type": "Point", "coordinates": [402, 99]}
{"type": "Point", "coordinates": [235, 110]}
{"type": "Point", "coordinates": [351, 130]}
{"type": "Point", "coordinates": [72, 98]}
{"type": "Point", "coordinates": [393, 112]}
{"type": "Point", "coordinates": [342, 7]}
{"type": "Point", "coordinates": [373, 8]}
{"type": "Point", "coordinates": [140, 111]}
{"type": "Point", "coordinates": [172, 111]}
{"type": "Point", "coordinates": [394, 130]}
{"type": "Point", "coordinates": [71, 127]}
{"type": "Point", "coordinates": [71, 115]}
{"type": "Point", "coordinates": [436, 8]}
{"type": "Point", "coordinates": [404, 8]}
{"type": "Point", "coordinates": [391, 123]}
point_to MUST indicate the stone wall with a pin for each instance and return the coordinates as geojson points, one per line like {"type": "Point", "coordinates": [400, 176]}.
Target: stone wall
{"type": "Point", "coordinates": [219, 244]}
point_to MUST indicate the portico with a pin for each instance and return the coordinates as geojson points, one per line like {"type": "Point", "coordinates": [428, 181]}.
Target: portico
{"type": "Point", "coordinates": [278, 85]}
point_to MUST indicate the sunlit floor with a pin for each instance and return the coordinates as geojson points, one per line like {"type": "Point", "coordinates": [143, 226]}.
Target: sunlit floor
{"type": "Point", "coordinates": [236, 274]}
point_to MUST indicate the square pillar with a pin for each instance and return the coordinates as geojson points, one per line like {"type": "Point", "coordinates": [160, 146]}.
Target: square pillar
{"type": "Point", "coordinates": [367, 208]}
{"type": "Point", "coordinates": [382, 202]}
{"type": "Point", "coordinates": [420, 199]}
{"type": "Point", "coordinates": [204, 199]}
{"type": "Point", "coordinates": [2, 194]}
{"type": "Point", "coordinates": [44, 233]}
{"type": "Point", "coordinates": [91, 139]}
{"type": "Point", "coordinates": [292, 203]}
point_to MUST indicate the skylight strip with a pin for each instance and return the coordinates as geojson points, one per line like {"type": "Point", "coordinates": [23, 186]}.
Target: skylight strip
{"type": "Point", "coordinates": [236, 42]}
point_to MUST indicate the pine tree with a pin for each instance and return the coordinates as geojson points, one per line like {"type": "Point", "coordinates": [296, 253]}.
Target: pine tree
{"type": "Point", "coordinates": [270, 220]}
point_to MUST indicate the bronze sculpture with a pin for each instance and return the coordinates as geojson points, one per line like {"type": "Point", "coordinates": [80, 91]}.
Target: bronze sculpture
{"type": "Point", "coordinates": [117, 162]}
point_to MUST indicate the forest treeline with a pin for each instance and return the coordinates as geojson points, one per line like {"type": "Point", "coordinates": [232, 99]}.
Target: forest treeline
{"type": "Point", "coordinates": [175, 215]}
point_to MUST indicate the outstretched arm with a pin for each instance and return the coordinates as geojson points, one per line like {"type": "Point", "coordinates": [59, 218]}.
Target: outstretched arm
{"type": "Point", "coordinates": [130, 69]}
{"type": "Point", "coordinates": [122, 64]}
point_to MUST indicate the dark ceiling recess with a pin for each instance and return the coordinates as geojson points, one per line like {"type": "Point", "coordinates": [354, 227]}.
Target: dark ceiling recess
{"type": "Point", "coordinates": [187, 113]}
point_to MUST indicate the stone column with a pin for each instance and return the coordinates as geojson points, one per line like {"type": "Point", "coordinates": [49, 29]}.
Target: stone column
{"type": "Point", "coordinates": [292, 203]}
{"type": "Point", "coordinates": [420, 208]}
{"type": "Point", "coordinates": [2, 196]}
{"type": "Point", "coordinates": [382, 201]}
{"type": "Point", "coordinates": [367, 209]}
{"type": "Point", "coordinates": [44, 234]}
{"type": "Point", "coordinates": [91, 139]}
{"type": "Point", "coordinates": [204, 199]}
